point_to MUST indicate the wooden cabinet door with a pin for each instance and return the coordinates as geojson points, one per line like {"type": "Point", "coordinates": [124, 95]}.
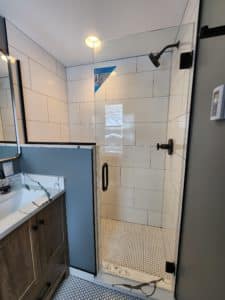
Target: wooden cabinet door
{"type": "Point", "coordinates": [51, 227]}
{"type": "Point", "coordinates": [18, 265]}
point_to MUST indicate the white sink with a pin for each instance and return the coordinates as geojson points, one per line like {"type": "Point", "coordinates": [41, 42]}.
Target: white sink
{"type": "Point", "coordinates": [17, 200]}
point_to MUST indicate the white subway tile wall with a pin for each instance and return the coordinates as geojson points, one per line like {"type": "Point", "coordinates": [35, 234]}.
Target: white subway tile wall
{"type": "Point", "coordinates": [127, 116]}
{"type": "Point", "coordinates": [178, 121]}
{"type": "Point", "coordinates": [45, 89]}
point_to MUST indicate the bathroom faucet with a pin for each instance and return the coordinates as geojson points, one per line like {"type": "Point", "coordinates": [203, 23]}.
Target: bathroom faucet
{"type": "Point", "coordinates": [4, 186]}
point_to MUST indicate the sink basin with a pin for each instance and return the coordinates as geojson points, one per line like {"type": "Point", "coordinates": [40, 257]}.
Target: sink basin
{"type": "Point", "coordinates": [16, 200]}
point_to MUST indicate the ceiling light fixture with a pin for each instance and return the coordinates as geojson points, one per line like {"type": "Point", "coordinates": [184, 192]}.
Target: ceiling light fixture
{"type": "Point", "coordinates": [93, 42]}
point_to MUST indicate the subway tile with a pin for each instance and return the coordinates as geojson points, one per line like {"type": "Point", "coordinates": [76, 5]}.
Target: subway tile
{"type": "Point", "coordinates": [191, 12]}
{"type": "Point", "coordinates": [80, 72]}
{"type": "Point", "coordinates": [150, 134]}
{"type": "Point", "coordinates": [148, 199]}
{"type": "Point", "coordinates": [80, 91]}
{"type": "Point", "coordinates": [65, 133]}
{"type": "Point", "coordinates": [136, 85]}
{"type": "Point", "coordinates": [57, 111]}
{"type": "Point", "coordinates": [161, 85]}
{"type": "Point", "coordinates": [126, 214]}
{"type": "Point", "coordinates": [21, 132]}
{"type": "Point", "coordinates": [154, 219]}
{"type": "Point", "coordinates": [7, 116]}
{"type": "Point", "coordinates": [122, 111]}
{"type": "Point", "coordinates": [1, 130]}
{"type": "Point", "coordinates": [185, 35]}
{"type": "Point", "coordinates": [145, 110]}
{"type": "Point", "coordinates": [36, 107]}
{"type": "Point", "coordinates": [43, 131]}
{"type": "Point", "coordinates": [157, 158]}
{"type": "Point", "coordinates": [4, 83]}
{"type": "Point", "coordinates": [9, 132]}
{"type": "Point", "coordinates": [74, 113]}
{"type": "Point", "coordinates": [115, 136]}
{"type": "Point", "coordinates": [144, 64]}
{"type": "Point", "coordinates": [111, 154]}
{"type": "Point", "coordinates": [134, 156]}
{"type": "Point", "coordinates": [100, 116]}
{"type": "Point", "coordinates": [5, 96]}
{"type": "Point", "coordinates": [178, 128]}
{"type": "Point", "coordinates": [17, 102]}
{"type": "Point", "coordinates": [118, 196]}
{"type": "Point", "coordinates": [82, 133]}
{"type": "Point", "coordinates": [46, 82]}
{"type": "Point", "coordinates": [87, 112]}
{"type": "Point", "coordinates": [142, 178]}
{"type": "Point", "coordinates": [123, 66]}
{"type": "Point", "coordinates": [24, 44]}
{"type": "Point", "coordinates": [127, 156]}
{"type": "Point", "coordinates": [25, 67]}
{"type": "Point", "coordinates": [175, 168]}
{"type": "Point", "coordinates": [114, 176]}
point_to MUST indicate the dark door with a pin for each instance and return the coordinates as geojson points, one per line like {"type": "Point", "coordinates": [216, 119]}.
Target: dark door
{"type": "Point", "coordinates": [202, 253]}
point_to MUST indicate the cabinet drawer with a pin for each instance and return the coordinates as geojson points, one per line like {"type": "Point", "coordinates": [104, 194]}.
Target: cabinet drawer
{"type": "Point", "coordinates": [56, 270]}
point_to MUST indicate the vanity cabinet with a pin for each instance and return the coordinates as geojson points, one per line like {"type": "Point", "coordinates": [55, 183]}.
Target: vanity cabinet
{"type": "Point", "coordinates": [33, 258]}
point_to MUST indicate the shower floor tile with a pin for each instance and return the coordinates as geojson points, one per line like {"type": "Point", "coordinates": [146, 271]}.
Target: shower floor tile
{"type": "Point", "coordinates": [133, 250]}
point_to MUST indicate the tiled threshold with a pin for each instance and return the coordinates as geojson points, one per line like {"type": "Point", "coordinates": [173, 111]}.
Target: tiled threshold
{"type": "Point", "coordinates": [134, 275]}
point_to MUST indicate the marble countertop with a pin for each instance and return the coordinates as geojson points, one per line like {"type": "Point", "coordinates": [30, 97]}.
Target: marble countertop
{"type": "Point", "coordinates": [28, 195]}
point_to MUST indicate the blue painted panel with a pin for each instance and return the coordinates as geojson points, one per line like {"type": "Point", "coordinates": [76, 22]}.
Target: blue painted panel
{"type": "Point", "coordinates": [7, 151]}
{"type": "Point", "coordinates": [76, 167]}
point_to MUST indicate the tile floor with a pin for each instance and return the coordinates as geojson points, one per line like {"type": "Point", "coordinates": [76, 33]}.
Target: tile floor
{"type": "Point", "coordinates": [133, 251]}
{"type": "Point", "coordinates": [74, 288]}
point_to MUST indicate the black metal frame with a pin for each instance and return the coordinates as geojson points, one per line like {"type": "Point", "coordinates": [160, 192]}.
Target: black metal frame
{"type": "Point", "coordinates": [188, 149]}
{"type": "Point", "coordinates": [207, 32]}
{"type": "Point", "coordinates": [5, 37]}
{"type": "Point", "coordinates": [21, 96]}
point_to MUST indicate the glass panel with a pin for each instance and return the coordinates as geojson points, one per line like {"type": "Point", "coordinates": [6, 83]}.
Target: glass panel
{"type": "Point", "coordinates": [137, 106]}
{"type": "Point", "coordinates": [8, 139]}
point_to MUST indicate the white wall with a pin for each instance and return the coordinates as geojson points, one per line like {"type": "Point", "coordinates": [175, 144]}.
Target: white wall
{"type": "Point", "coordinates": [44, 87]}
{"type": "Point", "coordinates": [126, 118]}
{"type": "Point", "coordinates": [178, 124]}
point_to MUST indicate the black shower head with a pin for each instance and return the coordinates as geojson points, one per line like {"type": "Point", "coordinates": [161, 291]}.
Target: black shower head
{"type": "Point", "coordinates": [155, 57]}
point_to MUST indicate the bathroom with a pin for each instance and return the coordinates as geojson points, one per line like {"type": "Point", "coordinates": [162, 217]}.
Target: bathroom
{"type": "Point", "coordinates": [111, 116]}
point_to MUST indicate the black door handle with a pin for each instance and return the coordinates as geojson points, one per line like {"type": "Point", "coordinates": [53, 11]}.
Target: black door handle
{"type": "Point", "coordinates": [105, 177]}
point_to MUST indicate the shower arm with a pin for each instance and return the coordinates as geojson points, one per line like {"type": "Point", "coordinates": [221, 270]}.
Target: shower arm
{"type": "Point", "coordinates": [169, 46]}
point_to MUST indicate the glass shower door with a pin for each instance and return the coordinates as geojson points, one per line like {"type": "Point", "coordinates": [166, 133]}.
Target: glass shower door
{"type": "Point", "coordinates": [135, 108]}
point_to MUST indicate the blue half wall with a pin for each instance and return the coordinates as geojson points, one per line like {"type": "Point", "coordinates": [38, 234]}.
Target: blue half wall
{"type": "Point", "coordinates": [76, 165]}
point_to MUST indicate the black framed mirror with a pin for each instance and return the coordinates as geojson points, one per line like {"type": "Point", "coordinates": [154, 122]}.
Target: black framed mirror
{"type": "Point", "coordinates": [10, 90]}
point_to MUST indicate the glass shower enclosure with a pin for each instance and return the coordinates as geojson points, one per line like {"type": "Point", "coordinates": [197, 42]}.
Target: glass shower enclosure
{"type": "Point", "coordinates": [140, 187]}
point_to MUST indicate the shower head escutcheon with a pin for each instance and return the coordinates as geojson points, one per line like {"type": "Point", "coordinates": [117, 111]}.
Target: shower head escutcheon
{"type": "Point", "coordinates": [154, 57]}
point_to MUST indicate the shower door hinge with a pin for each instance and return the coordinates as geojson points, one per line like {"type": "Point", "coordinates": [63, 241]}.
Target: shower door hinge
{"type": "Point", "coordinates": [186, 60]}
{"type": "Point", "coordinates": [170, 267]}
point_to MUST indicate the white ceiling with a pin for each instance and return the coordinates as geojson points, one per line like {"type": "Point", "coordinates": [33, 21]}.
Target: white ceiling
{"type": "Point", "coordinates": [60, 26]}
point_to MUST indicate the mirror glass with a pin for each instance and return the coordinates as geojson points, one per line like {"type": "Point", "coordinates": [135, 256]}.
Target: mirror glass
{"type": "Point", "coordinates": [8, 135]}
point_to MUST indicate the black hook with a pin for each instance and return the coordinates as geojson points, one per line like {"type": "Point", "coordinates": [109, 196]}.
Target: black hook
{"type": "Point", "coordinates": [168, 146]}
